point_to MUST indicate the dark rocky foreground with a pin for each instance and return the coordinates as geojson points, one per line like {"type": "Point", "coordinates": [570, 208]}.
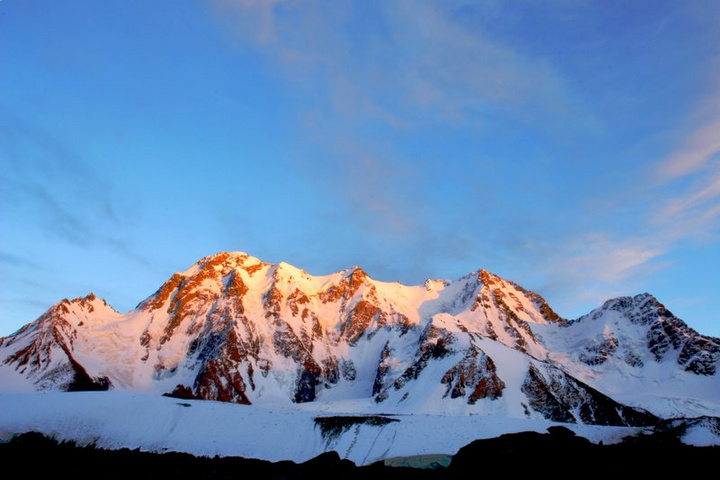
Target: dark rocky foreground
{"type": "Point", "coordinates": [559, 454]}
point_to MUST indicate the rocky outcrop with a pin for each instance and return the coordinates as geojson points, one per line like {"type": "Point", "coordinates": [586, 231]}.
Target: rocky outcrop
{"type": "Point", "coordinates": [598, 350]}
{"type": "Point", "coordinates": [667, 337]}
{"type": "Point", "coordinates": [46, 355]}
{"type": "Point", "coordinates": [562, 398]}
{"type": "Point", "coordinates": [434, 343]}
{"type": "Point", "coordinates": [474, 377]}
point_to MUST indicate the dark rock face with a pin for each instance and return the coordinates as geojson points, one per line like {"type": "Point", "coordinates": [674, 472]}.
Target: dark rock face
{"type": "Point", "coordinates": [543, 399]}
{"type": "Point", "coordinates": [562, 398]}
{"type": "Point", "coordinates": [381, 374]}
{"type": "Point", "coordinates": [307, 382]}
{"type": "Point", "coordinates": [668, 334]}
{"type": "Point", "coordinates": [475, 373]}
{"type": "Point", "coordinates": [82, 382]}
{"type": "Point", "coordinates": [667, 337]}
{"type": "Point", "coordinates": [347, 369]}
{"type": "Point", "coordinates": [221, 378]}
{"type": "Point", "coordinates": [223, 357]}
{"type": "Point", "coordinates": [359, 320]}
{"type": "Point", "coordinates": [698, 354]}
{"type": "Point", "coordinates": [183, 392]}
{"type": "Point", "coordinates": [599, 351]}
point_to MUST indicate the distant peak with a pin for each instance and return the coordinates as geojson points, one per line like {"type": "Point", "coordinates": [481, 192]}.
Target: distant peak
{"type": "Point", "coordinates": [224, 261]}
{"type": "Point", "coordinates": [89, 298]}
{"type": "Point", "coordinates": [487, 277]}
{"type": "Point", "coordinates": [233, 254]}
{"type": "Point", "coordinates": [288, 267]}
{"type": "Point", "coordinates": [222, 257]}
{"type": "Point", "coordinates": [436, 284]}
{"type": "Point", "coordinates": [627, 302]}
{"type": "Point", "coordinates": [287, 270]}
{"type": "Point", "coordinates": [645, 297]}
{"type": "Point", "coordinates": [90, 302]}
{"type": "Point", "coordinates": [355, 270]}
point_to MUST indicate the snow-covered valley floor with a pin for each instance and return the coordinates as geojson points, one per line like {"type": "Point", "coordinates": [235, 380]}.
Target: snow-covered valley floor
{"type": "Point", "coordinates": [154, 423]}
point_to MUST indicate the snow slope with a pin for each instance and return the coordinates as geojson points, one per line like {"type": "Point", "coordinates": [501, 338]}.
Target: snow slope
{"type": "Point", "coordinates": [636, 351]}
{"type": "Point", "coordinates": [206, 428]}
{"type": "Point", "coordinates": [235, 329]}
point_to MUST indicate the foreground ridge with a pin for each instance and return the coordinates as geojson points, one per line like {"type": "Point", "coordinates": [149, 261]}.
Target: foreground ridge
{"type": "Point", "coordinates": [639, 455]}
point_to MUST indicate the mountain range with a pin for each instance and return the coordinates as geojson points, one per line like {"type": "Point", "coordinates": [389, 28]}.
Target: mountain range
{"type": "Point", "coordinates": [235, 329]}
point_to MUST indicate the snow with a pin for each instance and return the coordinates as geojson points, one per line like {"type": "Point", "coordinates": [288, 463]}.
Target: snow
{"type": "Point", "coordinates": [109, 344]}
{"type": "Point", "coordinates": [159, 424]}
{"type": "Point", "coordinates": [701, 436]}
{"type": "Point", "coordinates": [661, 387]}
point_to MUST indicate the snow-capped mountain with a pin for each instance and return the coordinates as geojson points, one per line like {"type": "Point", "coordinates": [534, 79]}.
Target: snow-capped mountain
{"type": "Point", "coordinates": [235, 329]}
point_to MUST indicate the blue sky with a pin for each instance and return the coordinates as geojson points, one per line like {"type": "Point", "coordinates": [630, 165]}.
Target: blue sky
{"type": "Point", "coordinates": [570, 146]}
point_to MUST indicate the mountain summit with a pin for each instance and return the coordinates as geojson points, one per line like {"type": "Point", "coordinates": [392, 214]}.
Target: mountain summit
{"type": "Point", "coordinates": [235, 329]}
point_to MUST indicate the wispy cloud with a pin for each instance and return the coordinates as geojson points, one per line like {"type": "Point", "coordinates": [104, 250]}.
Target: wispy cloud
{"type": "Point", "coordinates": [700, 147]}
{"type": "Point", "coordinates": [597, 256]}
{"type": "Point", "coordinates": [401, 66]}
{"type": "Point", "coordinates": [684, 205]}
{"type": "Point", "coordinates": [407, 66]}
{"type": "Point", "coordinates": [400, 62]}
{"type": "Point", "coordinates": [695, 154]}
{"type": "Point", "coordinates": [694, 212]}
{"type": "Point", "coordinates": [48, 180]}
{"type": "Point", "coordinates": [13, 260]}
{"type": "Point", "coordinates": [691, 172]}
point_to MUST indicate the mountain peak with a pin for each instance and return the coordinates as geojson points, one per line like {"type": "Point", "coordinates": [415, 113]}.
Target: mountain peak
{"type": "Point", "coordinates": [89, 302]}
{"type": "Point", "coordinates": [641, 302]}
{"type": "Point", "coordinates": [233, 328]}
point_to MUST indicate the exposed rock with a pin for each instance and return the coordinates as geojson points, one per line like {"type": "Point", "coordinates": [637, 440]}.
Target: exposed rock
{"type": "Point", "coordinates": [475, 373]}
{"type": "Point", "coordinates": [598, 351]}
{"type": "Point", "coordinates": [381, 374]}
{"type": "Point", "coordinates": [667, 337]}
{"type": "Point", "coordinates": [307, 383]}
{"type": "Point", "coordinates": [48, 359]}
{"type": "Point", "coordinates": [332, 427]}
{"type": "Point", "coordinates": [434, 343]}
{"type": "Point", "coordinates": [562, 398]}
{"type": "Point", "coordinates": [347, 368]}
{"type": "Point", "coordinates": [183, 392]}
{"type": "Point", "coordinates": [358, 320]}
{"type": "Point", "coordinates": [219, 378]}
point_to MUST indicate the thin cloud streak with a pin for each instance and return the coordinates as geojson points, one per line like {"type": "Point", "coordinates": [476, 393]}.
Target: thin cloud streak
{"type": "Point", "coordinates": [52, 182]}
{"type": "Point", "coordinates": [413, 66]}
{"type": "Point", "coordinates": [418, 66]}
{"type": "Point", "coordinates": [13, 260]}
{"type": "Point", "coordinates": [693, 169]}
{"type": "Point", "coordinates": [700, 149]}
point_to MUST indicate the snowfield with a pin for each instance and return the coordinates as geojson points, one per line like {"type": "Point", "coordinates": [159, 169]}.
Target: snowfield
{"type": "Point", "coordinates": [152, 423]}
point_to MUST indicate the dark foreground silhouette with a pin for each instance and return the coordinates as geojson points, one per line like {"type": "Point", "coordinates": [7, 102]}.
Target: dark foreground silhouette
{"type": "Point", "coordinates": [558, 454]}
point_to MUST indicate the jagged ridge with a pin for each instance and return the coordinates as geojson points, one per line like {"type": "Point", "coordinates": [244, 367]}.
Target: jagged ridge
{"type": "Point", "coordinates": [233, 328]}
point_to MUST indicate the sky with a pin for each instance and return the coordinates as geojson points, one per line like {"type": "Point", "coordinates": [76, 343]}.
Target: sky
{"type": "Point", "coordinates": [570, 146]}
